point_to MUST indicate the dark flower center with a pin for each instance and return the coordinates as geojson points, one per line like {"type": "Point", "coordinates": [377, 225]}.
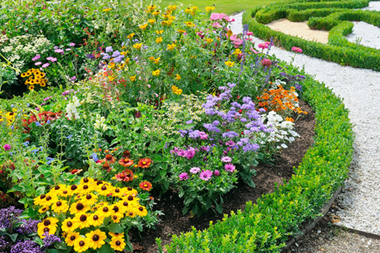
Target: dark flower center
{"type": "Point", "coordinates": [116, 209]}
{"type": "Point", "coordinates": [64, 192]}
{"type": "Point", "coordinates": [42, 196]}
{"type": "Point", "coordinates": [48, 198]}
{"type": "Point", "coordinates": [57, 187]}
{"type": "Point", "coordinates": [85, 187]}
{"type": "Point", "coordinates": [117, 190]}
{"type": "Point", "coordinates": [141, 209]}
{"type": "Point", "coordinates": [130, 197]}
{"type": "Point", "coordinates": [104, 188]}
{"type": "Point", "coordinates": [86, 180]}
{"type": "Point", "coordinates": [106, 166]}
{"type": "Point", "coordinates": [73, 187]}
{"type": "Point", "coordinates": [59, 203]}
{"type": "Point", "coordinates": [88, 196]}
{"type": "Point", "coordinates": [81, 243]}
{"type": "Point", "coordinates": [129, 188]}
{"type": "Point", "coordinates": [80, 206]}
{"type": "Point", "coordinates": [46, 230]}
{"type": "Point", "coordinates": [96, 217]}
{"type": "Point", "coordinates": [47, 223]}
{"type": "Point", "coordinates": [108, 157]}
{"type": "Point", "coordinates": [118, 243]}
{"type": "Point", "coordinates": [73, 237]}
{"type": "Point", "coordinates": [125, 203]}
{"type": "Point", "coordinates": [115, 217]}
{"type": "Point", "coordinates": [99, 183]}
{"type": "Point", "coordinates": [105, 209]}
{"type": "Point", "coordinates": [83, 217]}
{"type": "Point", "coordinates": [69, 223]}
{"type": "Point", "coordinates": [95, 238]}
{"type": "Point", "coordinates": [130, 214]}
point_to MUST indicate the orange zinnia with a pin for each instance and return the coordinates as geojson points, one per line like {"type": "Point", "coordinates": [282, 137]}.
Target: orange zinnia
{"type": "Point", "coordinates": [145, 185]}
{"type": "Point", "coordinates": [145, 163]}
{"type": "Point", "coordinates": [125, 162]}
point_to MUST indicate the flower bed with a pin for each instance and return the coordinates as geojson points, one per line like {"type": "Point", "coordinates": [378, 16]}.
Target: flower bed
{"type": "Point", "coordinates": [332, 16]}
{"type": "Point", "coordinates": [175, 101]}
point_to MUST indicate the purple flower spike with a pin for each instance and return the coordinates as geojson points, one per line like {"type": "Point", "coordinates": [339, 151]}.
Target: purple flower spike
{"type": "Point", "coordinates": [183, 176]}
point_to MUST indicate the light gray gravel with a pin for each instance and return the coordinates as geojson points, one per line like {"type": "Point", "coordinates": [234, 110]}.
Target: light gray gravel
{"type": "Point", "coordinates": [360, 89]}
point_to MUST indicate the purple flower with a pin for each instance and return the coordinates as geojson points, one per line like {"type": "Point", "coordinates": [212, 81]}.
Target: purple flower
{"type": "Point", "coordinates": [47, 98]}
{"type": "Point", "coordinates": [183, 176]}
{"type": "Point", "coordinates": [229, 167]}
{"type": "Point", "coordinates": [7, 147]}
{"type": "Point", "coordinates": [73, 78]}
{"type": "Point", "coordinates": [35, 58]}
{"type": "Point", "coordinates": [115, 53]}
{"type": "Point", "coordinates": [26, 246]}
{"type": "Point", "coordinates": [182, 132]}
{"type": "Point", "coordinates": [27, 227]}
{"type": "Point", "coordinates": [72, 44]}
{"type": "Point", "coordinates": [38, 63]}
{"type": "Point", "coordinates": [226, 159]}
{"type": "Point", "coordinates": [189, 122]}
{"type": "Point", "coordinates": [205, 175]}
{"type": "Point", "coordinates": [90, 56]}
{"type": "Point", "coordinates": [50, 239]}
{"type": "Point", "coordinates": [45, 65]}
{"type": "Point", "coordinates": [119, 58]}
{"type": "Point", "coordinates": [251, 147]}
{"type": "Point", "coordinates": [105, 56]}
{"type": "Point", "coordinates": [109, 49]}
{"type": "Point", "coordinates": [203, 135]}
{"type": "Point", "coordinates": [215, 123]}
{"type": "Point", "coordinates": [59, 50]}
{"type": "Point", "coordinates": [230, 143]}
{"type": "Point", "coordinates": [195, 170]}
{"type": "Point", "coordinates": [230, 134]}
{"type": "Point", "coordinates": [216, 173]}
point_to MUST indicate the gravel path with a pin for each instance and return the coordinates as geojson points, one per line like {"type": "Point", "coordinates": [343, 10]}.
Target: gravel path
{"type": "Point", "coordinates": [359, 201]}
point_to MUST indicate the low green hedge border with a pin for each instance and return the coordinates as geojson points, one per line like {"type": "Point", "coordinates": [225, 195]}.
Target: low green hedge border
{"type": "Point", "coordinates": [339, 49]}
{"type": "Point", "coordinates": [269, 224]}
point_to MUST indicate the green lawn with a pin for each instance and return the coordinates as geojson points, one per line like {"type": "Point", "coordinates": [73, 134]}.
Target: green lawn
{"type": "Point", "coordinates": [221, 6]}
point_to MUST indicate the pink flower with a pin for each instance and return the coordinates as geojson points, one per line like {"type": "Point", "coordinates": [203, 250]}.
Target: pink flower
{"type": "Point", "coordinates": [217, 16]}
{"type": "Point", "coordinates": [226, 159]}
{"type": "Point", "coordinates": [229, 167]}
{"type": "Point", "coordinates": [297, 49]}
{"type": "Point", "coordinates": [263, 45]}
{"type": "Point", "coordinates": [45, 65]}
{"type": "Point", "coordinates": [266, 63]}
{"type": "Point", "coordinates": [237, 42]}
{"type": "Point", "coordinates": [36, 57]}
{"type": "Point", "coordinates": [253, 50]}
{"type": "Point", "coordinates": [195, 170]}
{"type": "Point", "coordinates": [216, 25]}
{"type": "Point", "coordinates": [249, 33]}
{"type": "Point", "coordinates": [228, 19]}
{"type": "Point", "coordinates": [203, 135]}
{"type": "Point", "coordinates": [216, 173]}
{"type": "Point", "coordinates": [205, 175]}
{"type": "Point", "coordinates": [183, 176]}
{"type": "Point", "coordinates": [38, 63]}
{"type": "Point", "coordinates": [7, 147]}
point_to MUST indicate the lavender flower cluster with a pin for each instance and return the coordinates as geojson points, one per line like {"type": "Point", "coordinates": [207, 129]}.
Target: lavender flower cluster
{"type": "Point", "coordinates": [27, 246]}
{"type": "Point", "coordinates": [9, 218]}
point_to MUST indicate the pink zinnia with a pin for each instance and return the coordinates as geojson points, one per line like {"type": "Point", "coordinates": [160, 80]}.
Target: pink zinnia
{"type": "Point", "coordinates": [263, 45]}
{"type": "Point", "coordinates": [205, 175]}
{"type": "Point", "coordinates": [229, 167]}
{"type": "Point", "coordinates": [297, 49]}
{"type": "Point", "coordinates": [217, 16]}
{"type": "Point", "coordinates": [249, 33]}
{"type": "Point", "coordinates": [203, 135]}
{"type": "Point", "coordinates": [266, 63]}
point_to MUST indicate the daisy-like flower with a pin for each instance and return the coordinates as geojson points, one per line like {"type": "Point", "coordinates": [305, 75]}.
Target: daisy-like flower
{"type": "Point", "coordinates": [132, 78]}
{"type": "Point", "coordinates": [171, 46]}
{"type": "Point", "coordinates": [40, 200]}
{"type": "Point", "coordinates": [229, 63]}
{"type": "Point", "coordinates": [141, 211]}
{"type": "Point", "coordinates": [178, 77]}
{"type": "Point", "coordinates": [117, 243]}
{"type": "Point", "coordinates": [226, 159]}
{"type": "Point", "coordinates": [183, 176]}
{"type": "Point", "coordinates": [82, 220]}
{"type": "Point", "coordinates": [156, 72]}
{"type": "Point", "coordinates": [60, 206]}
{"type": "Point", "coordinates": [129, 191]}
{"type": "Point", "coordinates": [116, 217]}
{"type": "Point", "coordinates": [205, 175]}
{"type": "Point", "coordinates": [71, 238]}
{"type": "Point", "coordinates": [130, 214]}
{"type": "Point", "coordinates": [144, 163]}
{"type": "Point", "coordinates": [43, 209]}
{"type": "Point", "coordinates": [89, 199]}
{"type": "Point", "coordinates": [104, 189]}
{"type": "Point", "coordinates": [78, 208]}
{"type": "Point", "coordinates": [69, 225]}
{"type": "Point", "coordinates": [109, 159]}
{"type": "Point", "coordinates": [81, 244]}
{"type": "Point", "coordinates": [42, 230]}
{"type": "Point", "coordinates": [229, 167]}
{"type": "Point", "coordinates": [126, 162]}
{"type": "Point", "coordinates": [195, 170]}
{"type": "Point", "coordinates": [126, 175]}
{"type": "Point", "coordinates": [105, 212]}
{"type": "Point", "coordinates": [96, 238]}
{"type": "Point", "coordinates": [145, 185]}
{"type": "Point", "coordinates": [95, 220]}
{"type": "Point", "coordinates": [72, 189]}
{"type": "Point", "coordinates": [130, 36]}
{"type": "Point", "coordinates": [159, 40]}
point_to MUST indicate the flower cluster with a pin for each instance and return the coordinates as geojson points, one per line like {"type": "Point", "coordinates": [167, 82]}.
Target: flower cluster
{"type": "Point", "coordinates": [35, 76]}
{"type": "Point", "coordinates": [90, 209]}
{"type": "Point", "coordinates": [8, 117]}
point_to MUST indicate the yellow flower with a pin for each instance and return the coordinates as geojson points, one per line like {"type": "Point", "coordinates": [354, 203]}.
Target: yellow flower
{"type": "Point", "coordinates": [208, 9]}
{"type": "Point", "coordinates": [89, 199]}
{"type": "Point", "coordinates": [155, 13]}
{"type": "Point", "coordinates": [107, 10]}
{"type": "Point", "coordinates": [71, 238]}
{"type": "Point", "coordinates": [209, 40]}
{"type": "Point", "coordinates": [60, 206]}
{"type": "Point", "coordinates": [194, 8]}
{"type": "Point", "coordinates": [137, 46]}
{"type": "Point", "coordinates": [104, 189]}
{"type": "Point", "coordinates": [229, 63]}
{"type": "Point", "coordinates": [237, 52]}
{"type": "Point", "coordinates": [159, 31]}
{"type": "Point", "coordinates": [117, 243]}
{"type": "Point", "coordinates": [159, 40]}
{"type": "Point", "coordinates": [151, 21]}
{"type": "Point", "coordinates": [42, 228]}
{"type": "Point", "coordinates": [43, 209]}
{"type": "Point", "coordinates": [229, 33]}
{"type": "Point", "coordinates": [164, 23]}
{"type": "Point", "coordinates": [82, 220]}
{"type": "Point", "coordinates": [172, 7]}
{"type": "Point", "coordinates": [95, 220]}
{"type": "Point", "coordinates": [130, 36]}
{"type": "Point", "coordinates": [156, 72]}
{"type": "Point", "coordinates": [96, 238]}
{"type": "Point", "coordinates": [176, 90]}
{"type": "Point", "coordinates": [177, 77]}
{"type": "Point", "coordinates": [144, 26]}
{"type": "Point", "coordinates": [31, 87]}
{"type": "Point", "coordinates": [181, 31]}
{"type": "Point", "coordinates": [157, 60]}
{"type": "Point", "coordinates": [116, 217]}
{"type": "Point", "coordinates": [132, 78]}
{"type": "Point", "coordinates": [152, 7]}
{"type": "Point", "coordinates": [69, 225]}
{"type": "Point", "coordinates": [124, 53]}
{"type": "Point", "coordinates": [141, 211]}
{"type": "Point", "coordinates": [189, 24]}
{"type": "Point", "coordinates": [188, 10]}
{"type": "Point", "coordinates": [171, 47]}
{"type": "Point", "coordinates": [81, 244]}
{"type": "Point", "coordinates": [78, 208]}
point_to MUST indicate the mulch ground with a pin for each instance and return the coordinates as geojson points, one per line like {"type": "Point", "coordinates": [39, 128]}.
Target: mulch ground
{"type": "Point", "coordinates": [173, 222]}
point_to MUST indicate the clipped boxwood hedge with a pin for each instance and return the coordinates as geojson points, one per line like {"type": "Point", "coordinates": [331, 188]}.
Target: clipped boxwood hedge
{"type": "Point", "coordinates": [269, 224]}
{"type": "Point", "coordinates": [338, 49]}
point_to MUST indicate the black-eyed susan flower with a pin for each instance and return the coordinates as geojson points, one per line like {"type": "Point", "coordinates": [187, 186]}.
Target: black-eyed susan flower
{"type": "Point", "coordinates": [81, 244]}
{"type": "Point", "coordinates": [60, 206]}
{"type": "Point", "coordinates": [43, 209]}
{"type": "Point", "coordinates": [105, 211]}
{"type": "Point", "coordinates": [95, 219]}
{"type": "Point", "coordinates": [155, 13]}
{"type": "Point", "coordinates": [229, 63]}
{"type": "Point", "coordinates": [159, 40]}
{"type": "Point", "coordinates": [116, 217]}
{"type": "Point", "coordinates": [40, 200]}
{"type": "Point", "coordinates": [48, 225]}
{"type": "Point", "coordinates": [144, 26]}
{"type": "Point", "coordinates": [69, 225]}
{"type": "Point", "coordinates": [104, 189]}
{"type": "Point", "coordinates": [89, 199]}
{"type": "Point", "coordinates": [72, 189]}
{"type": "Point", "coordinates": [117, 243]}
{"type": "Point", "coordinates": [130, 214]}
{"type": "Point", "coordinates": [82, 220]}
{"type": "Point", "coordinates": [96, 238]}
{"type": "Point", "coordinates": [209, 9]}
{"type": "Point", "coordinates": [141, 211]}
{"type": "Point", "coordinates": [159, 31]}
{"type": "Point", "coordinates": [31, 87]}
{"type": "Point", "coordinates": [71, 238]}
{"type": "Point", "coordinates": [151, 21]}
{"type": "Point", "coordinates": [127, 191]}
{"type": "Point", "coordinates": [79, 208]}
{"type": "Point", "coordinates": [85, 188]}
{"type": "Point", "coordinates": [119, 235]}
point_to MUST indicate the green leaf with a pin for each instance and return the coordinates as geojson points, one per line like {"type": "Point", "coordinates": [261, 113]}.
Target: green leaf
{"type": "Point", "coordinates": [116, 228]}
{"type": "Point", "coordinates": [106, 248]}
{"type": "Point", "coordinates": [218, 208]}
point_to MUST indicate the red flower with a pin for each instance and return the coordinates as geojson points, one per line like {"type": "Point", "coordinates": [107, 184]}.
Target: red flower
{"type": "Point", "coordinates": [145, 163]}
{"type": "Point", "coordinates": [126, 154]}
{"type": "Point", "coordinates": [125, 162]}
{"type": "Point", "coordinates": [145, 185]}
{"type": "Point", "coordinates": [126, 176]}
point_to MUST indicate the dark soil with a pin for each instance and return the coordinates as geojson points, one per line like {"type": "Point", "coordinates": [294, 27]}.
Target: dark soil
{"type": "Point", "coordinates": [173, 222]}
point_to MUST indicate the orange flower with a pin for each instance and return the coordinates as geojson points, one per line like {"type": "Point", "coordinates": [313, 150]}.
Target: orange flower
{"type": "Point", "coordinates": [126, 176]}
{"type": "Point", "coordinates": [125, 162]}
{"type": "Point", "coordinates": [126, 154]}
{"type": "Point", "coordinates": [109, 159]}
{"type": "Point", "coordinates": [145, 185]}
{"type": "Point", "coordinates": [145, 162]}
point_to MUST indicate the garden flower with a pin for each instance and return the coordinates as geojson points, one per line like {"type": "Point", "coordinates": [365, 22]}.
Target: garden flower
{"type": "Point", "coordinates": [109, 49]}
{"type": "Point", "coordinates": [125, 162]}
{"type": "Point", "coordinates": [132, 78]}
{"type": "Point", "coordinates": [144, 163]}
{"type": "Point", "coordinates": [35, 58]}
{"type": "Point", "coordinates": [159, 40]}
{"type": "Point", "coordinates": [130, 36]}
{"type": "Point", "coordinates": [263, 45]}
{"type": "Point", "coordinates": [7, 147]}
{"type": "Point", "coordinates": [195, 170]}
{"type": "Point", "coordinates": [297, 49]}
{"type": "Point", "coordinates": [145, 185]}
{"type": "Point", "coordinates": [45, 65]}
{"type": "Point", "coordinates": [38, 63]}
{"type": "Point", "coordinates": [266, 63]}
{"type": "Point", "coordinates": [171, 46]}
{"type": "Point", "coordinates": [183, 176]}
{"type": "Point", "coordinates": [156, 72]}
{"type": "Point", "coordinates": [117, 243]}
{"type": "Point", "coordinates": [189, 24]}
{"type": "Point", "coordinates": [82, 244]}
{"type": "Point", "coordinates": [209, 40]}
{"type": "Point", "coordinates": [205, 175]}
{"type": "Point", "coordinates": [226, 159]}
{"type": "Point", "coordinates": [137, 46]}
{"type": "Point", "coordinates": [216, 173]}
{"type": "Point", "coordinates": [72, 44]}
{"type": "Point", "coordinates": [96, 238]}
{"type": "Point", "coordinates": [229, 167]}
{"type": "Point", "coordinates": [208, 9]}
{"type": "Point", "coordinates": [71, 238]}
{"type": "Point", "coordinates": [229, 63]}
{"type": "Point", "coordinates": [178, 77]}
{"type": "Point", "coordinates": [143, 27]}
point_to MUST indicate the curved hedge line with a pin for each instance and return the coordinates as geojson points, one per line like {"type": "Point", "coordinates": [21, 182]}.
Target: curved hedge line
{"type": "Point", "coordinates": [338, 49]}
{"type": "Point", "coordinates": [269, 224]}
